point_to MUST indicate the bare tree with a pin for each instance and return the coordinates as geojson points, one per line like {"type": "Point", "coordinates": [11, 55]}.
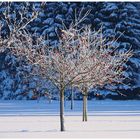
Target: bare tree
{"type": "Point", "coordinates": [103, 64]}
{"type": "Point", "coordinates": [59, 65]}
{"type": "Point", "coordinates": [81, 59]}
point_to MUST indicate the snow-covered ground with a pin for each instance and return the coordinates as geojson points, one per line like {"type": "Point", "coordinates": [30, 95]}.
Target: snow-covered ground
{"type": "Point", "coordinates": [107, 119]}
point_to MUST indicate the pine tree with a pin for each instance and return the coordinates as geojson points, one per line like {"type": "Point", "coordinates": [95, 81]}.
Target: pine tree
{"type": "Point", "coordinates": [120, 20]}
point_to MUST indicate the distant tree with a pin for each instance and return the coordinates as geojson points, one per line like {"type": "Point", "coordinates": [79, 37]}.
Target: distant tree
{"type": "Point", "coordinates": [121, 20]}
{"type": "Point", "coordinates": [102, 64]}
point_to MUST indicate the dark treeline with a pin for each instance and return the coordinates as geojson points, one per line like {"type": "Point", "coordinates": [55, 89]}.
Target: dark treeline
{"type": "Point", "coordinates": [119, 20]}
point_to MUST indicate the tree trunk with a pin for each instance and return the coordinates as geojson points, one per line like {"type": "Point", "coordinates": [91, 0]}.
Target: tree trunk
{"type": "Point", "coordinates": [64, 101]}
{"type": "Point", "coordinates": [72, 102]}
{"type": "Point", "coordinates": [84, 107]}
{"type": "Point", "coordinates": [62, 128]}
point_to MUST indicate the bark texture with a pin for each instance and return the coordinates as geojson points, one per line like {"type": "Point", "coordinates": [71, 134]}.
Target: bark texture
{"type": "Point", "coordinates": [62, 128]}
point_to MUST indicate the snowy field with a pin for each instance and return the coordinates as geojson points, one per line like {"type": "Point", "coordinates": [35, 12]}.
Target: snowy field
{"type": "Point", "coordinates": [32, 119]}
